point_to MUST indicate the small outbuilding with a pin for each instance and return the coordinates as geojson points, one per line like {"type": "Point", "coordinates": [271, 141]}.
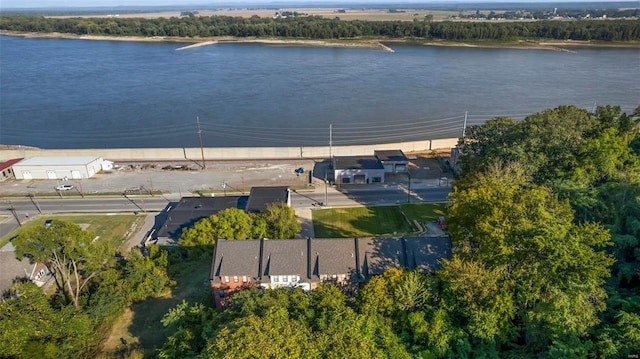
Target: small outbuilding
{"type": "Point", "coordinates": [357, 170]}
{"type": "Point", "coordinates": [58, 167]}
{"type": "Point", "coordinates": [393, 160]}
{"type": "Point", "coordinates": [6, 169]}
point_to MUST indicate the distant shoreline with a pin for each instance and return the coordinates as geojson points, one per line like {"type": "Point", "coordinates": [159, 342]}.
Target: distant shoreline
{"type": "Point", "coordinates": [554, 45]}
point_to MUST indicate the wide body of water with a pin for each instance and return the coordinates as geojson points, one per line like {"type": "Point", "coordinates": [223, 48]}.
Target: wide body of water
{"type": "Point", "coordinates": [57, 93]}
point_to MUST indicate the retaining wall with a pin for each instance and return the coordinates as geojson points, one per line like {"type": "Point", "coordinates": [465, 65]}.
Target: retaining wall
{"type": "Point", "coordinates": [230, 153]}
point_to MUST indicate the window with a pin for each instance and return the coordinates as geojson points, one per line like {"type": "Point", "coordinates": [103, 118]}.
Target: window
{"type": "Point", "coordinates": [221, 293]}
{"type": "Point", "coordinates": [275, 278]}
{"type": "Point", "coordinates": [244, 279]}
{"type": "Point", "coordinates": [226, 279]}
{"type": "Point", "coordinates": [344, 277]}
{"type": "Point", "coordinates": [346, 180]}
{"type": "Point", "coordinates": [334, 277]}
{"type": "Point", "coordinates": [235, 279]}
{"type": "Point", "coordinates": [325, 277]}
{"type": "Point", "coordinates": [376, 179]}
{"type": "Point", "coordinates": [283, 278]}
{"type": "Point", "coordinates": [295, 278]}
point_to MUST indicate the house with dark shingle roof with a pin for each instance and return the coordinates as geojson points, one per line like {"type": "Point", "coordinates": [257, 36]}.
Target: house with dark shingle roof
{"type": "Point", "coordinates": [333, 259]}
{"type": "Point", "coordinates": [261, 197]}
{"type": "Point", "coordinates": [375, 255]}
{"type": "Point", "coordinates": [192, 209]}
{"type": "Point", "coordinates": [305, 263]}
{"type": "Point", "coordinates": [237, 266]}
{"type": "Point", "coordinates": [285, 263]}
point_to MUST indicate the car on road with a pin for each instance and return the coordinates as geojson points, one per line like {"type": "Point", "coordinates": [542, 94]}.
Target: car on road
{"type": "Point", "coordinates": [65, 187]}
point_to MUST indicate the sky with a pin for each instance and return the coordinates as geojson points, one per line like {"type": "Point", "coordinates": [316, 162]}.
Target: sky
{"type": "Point", "coordinates": [97, 3]}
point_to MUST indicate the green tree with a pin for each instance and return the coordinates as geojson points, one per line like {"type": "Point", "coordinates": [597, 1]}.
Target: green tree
{"type": "Point", "coordinates": [281, 220]}
{"type": "Point", "coordinates": [557, 267]}
{"type": "Point", "coordinates": [191, 325]}
{"type": "Point", "coordinates": [146, 276]}
{"type": "Point", "coordinates": [31, 328]}
{"type": "Point", "coordinates": [230, 223]}
{"type": "Point", "coordinates": [273, 335]}
{"type": "Point", "coordinates": [73, 253]}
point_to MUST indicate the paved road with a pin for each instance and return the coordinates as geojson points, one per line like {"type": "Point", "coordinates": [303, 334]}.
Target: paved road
{"type": "Point", "coordinates": [25, 208]}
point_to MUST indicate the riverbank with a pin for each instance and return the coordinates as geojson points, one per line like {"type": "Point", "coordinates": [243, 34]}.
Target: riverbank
{"type": "Point", "coordinates": [554, 45]}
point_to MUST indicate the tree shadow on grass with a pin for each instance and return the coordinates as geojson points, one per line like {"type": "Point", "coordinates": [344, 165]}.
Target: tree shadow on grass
{"type": "Point", "coordinates": [192, 278]}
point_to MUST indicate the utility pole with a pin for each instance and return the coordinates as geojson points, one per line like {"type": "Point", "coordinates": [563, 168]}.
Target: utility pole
{"type": "Point", "coordinates": [35, 202]}
{"type": "Point", "coordinates": [464, 125]}
{"type": "Point", "coordinates": [15, 215]}
{"type": "Point", "coordinates": [204, 165]}
{"type": "Point", "coordinates": [326, 196]}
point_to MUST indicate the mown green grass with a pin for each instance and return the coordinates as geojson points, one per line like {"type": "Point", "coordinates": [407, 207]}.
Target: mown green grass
{"type": "Point", "coordinates": [112, 228]}
{"type": "Point", "coordinates": [423, 212]}
{"type": "Point", "coordinates": [373, 221]}
{"type": "Point", "coordinates": [359, 222]}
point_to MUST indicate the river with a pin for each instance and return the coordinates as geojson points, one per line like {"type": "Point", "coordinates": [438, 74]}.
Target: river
{"type": "Point", "coordinates": [63, 93]}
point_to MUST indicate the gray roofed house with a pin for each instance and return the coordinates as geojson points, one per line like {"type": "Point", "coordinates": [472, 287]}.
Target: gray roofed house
{"type": "Point", "coordinates": [332, 257]}
{"type": "Point", "coordinates": [233, 258]}
{"type": "Point", "coordinates": [425, 253]}
{"type": "Point", "coordinates": [306, 262]}
{"type": "Point", "coordinates": [284, 257]}
{"type": "Point", "coordinates": [12, 269]}
{"type": "Point", "coordinates": [375, 255]}
{"type": "Point", "coordinates": [192, 209]}
{"type": "Point", "coordinates": [261, 197]}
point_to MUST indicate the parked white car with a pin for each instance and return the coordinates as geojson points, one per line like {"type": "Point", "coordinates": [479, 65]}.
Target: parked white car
{"type": "Point", "coordinates": [65, 187]}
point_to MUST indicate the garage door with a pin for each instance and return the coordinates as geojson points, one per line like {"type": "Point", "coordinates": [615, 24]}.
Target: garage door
{"type": "Point", "coordinates": [27, 175]}
{"type": "Point", "coordinates": [75, 175]}
{"type": "Point", "coordinates": [359, 179]}
{"type": "Point", "coordinates": [51, 175]}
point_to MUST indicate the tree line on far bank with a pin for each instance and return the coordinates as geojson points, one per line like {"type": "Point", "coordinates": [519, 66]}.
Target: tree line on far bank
{"type": "Point", "coordinates": [316, 27]}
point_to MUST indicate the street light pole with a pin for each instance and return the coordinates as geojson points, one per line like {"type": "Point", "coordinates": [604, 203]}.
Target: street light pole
{"type": "Point", "coordinates": [409, 191]}
{"type": "Point", "coordinates": [325, 193]}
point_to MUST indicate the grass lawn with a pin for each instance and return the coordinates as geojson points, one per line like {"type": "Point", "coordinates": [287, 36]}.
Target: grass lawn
{"type": "Point", "coordinates": [113, 228]}
{"type": "Point", "coordinates": [423, 212]}
{"type": "Point", "coordinates": [141, 322]}
{"type": "Point", "coordinates": [373, 221]}
{"type": "Point", "coordinates": [359, 222]}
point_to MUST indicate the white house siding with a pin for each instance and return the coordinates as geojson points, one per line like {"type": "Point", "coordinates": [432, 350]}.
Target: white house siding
{"type": "Point", "coordinates": [285, 281]}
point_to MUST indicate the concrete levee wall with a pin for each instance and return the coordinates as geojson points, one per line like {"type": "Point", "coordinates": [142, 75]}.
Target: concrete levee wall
{"type": "Point", "coordinates": [229, 153]}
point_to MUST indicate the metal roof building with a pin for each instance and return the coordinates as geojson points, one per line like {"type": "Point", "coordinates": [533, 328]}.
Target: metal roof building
{"type": "Point", "coordinates": [57, 168]}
